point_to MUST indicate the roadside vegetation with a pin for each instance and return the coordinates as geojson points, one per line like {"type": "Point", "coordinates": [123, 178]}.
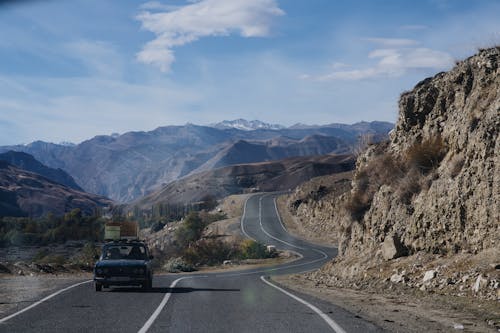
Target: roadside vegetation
{"type": "Point", "coordinates": [192, 250]}
{"type": "Point", "coordinates": [406, 176]}
{"type": "Point", "coordinates": [23, 231]}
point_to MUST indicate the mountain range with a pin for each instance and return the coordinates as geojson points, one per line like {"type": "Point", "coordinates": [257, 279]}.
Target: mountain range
{"type": "Point", "coordinates": [235, 179]}
{"type": "Point", "coordinates": [131, 165]}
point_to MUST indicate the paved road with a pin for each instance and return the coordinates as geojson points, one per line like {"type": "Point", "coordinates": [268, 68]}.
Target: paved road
{"type": "Point", "coordinates": [243, 301]}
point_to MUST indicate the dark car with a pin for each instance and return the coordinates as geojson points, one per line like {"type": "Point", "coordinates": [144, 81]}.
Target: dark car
{"type": "Point", "coordinates": [124, 263]}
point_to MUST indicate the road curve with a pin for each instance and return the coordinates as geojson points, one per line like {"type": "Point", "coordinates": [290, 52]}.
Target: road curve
{"type": "Point", "coordinates": [242, 301]}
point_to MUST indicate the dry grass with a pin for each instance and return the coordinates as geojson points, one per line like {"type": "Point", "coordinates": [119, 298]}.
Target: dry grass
{"type": "Point", "coordinates": [406, 176]}
{"type": "Point", "coordinates": [426, 155]}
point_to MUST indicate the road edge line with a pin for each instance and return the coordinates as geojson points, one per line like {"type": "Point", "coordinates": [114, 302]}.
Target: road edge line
{"type": "Point", "coordinates": [243, 218]}
{"type": "Point", "coordinates": [336, 327]}
{"type": "Point", "coordinates": [3, 320]}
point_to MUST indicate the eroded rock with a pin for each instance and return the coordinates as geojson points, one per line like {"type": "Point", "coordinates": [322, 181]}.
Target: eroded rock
{"type": "Point", "coordinates": [392, 248]}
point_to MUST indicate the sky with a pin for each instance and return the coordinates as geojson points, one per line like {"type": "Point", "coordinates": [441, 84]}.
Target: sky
{"type": "Point", "coordinates": [71, 70]}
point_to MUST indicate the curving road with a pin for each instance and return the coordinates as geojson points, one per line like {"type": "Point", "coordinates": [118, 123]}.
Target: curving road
{"type": "Point", "coordinates": [243, 301]}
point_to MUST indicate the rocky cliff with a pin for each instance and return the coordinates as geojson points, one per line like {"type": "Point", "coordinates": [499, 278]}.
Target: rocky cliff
{"type": "Point", "coordinates": [440, 191]}
{"type": "Point", "coordinates": [431, 192]}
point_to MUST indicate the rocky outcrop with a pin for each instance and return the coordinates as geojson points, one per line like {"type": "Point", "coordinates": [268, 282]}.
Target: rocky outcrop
{"type": "Point", "coordinates": [434, 186]}
{"type": "Point", "coordinates": [452, 203]}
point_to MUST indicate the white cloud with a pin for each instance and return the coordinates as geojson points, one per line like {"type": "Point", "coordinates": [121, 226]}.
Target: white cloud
{"type": "Point", "coordinates": [392, 62]}
{"type": "Point", "coordinates": [174, 28]}
{"type": "Point", "coordinates": [156, 5]}
{"type": "Point", "coordinates": [98, 57]}
{"type": "Point", "coordinates": [392, 42]}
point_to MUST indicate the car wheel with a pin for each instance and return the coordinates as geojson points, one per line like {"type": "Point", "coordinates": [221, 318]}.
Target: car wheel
{"type": "Point", "coordinates": [98, 287]}
{"type": "Point", "coordinates": [148, 284]}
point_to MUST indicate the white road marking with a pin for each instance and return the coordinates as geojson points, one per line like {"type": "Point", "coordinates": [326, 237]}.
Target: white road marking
{"type": "Point", "coordinates": [163, 302]}
{"type": "Point", "coordinates": [279, 217]}
{"type": "Point", "coordinates": [242, 224]}
{"type": "Point", "coordinates": [335, 327]}
{"type": "Point", "coordinates": [3, 320]}
{"type": "Point", "coordinates": [280, 240]}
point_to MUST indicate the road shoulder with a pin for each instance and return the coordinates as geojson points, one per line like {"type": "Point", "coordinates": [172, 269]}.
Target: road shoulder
{"type": "Point", "coordinates": [395, 312]}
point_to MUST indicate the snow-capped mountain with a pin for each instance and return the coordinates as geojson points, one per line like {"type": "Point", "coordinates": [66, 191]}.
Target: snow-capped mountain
{"type": "Point", "coordinates": [246, 125]}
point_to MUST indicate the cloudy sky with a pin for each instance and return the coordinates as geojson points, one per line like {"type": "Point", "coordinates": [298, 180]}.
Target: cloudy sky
{"type": "Point", "coordinates": [71, 70]}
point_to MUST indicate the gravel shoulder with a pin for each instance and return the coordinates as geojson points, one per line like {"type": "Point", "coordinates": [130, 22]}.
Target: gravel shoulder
{"type": "Point", "coordinates": [18, 292]}
{"type": "Point", "coordinates": [400, 312]}
{"type": "Point", "coordinates": [394, 307]}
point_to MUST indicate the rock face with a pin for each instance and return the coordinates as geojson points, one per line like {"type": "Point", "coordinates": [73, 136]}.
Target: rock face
{"type": "Point", "coordinates": [453, 204]}
{"type": "Point", "coordinates": [434, 186]}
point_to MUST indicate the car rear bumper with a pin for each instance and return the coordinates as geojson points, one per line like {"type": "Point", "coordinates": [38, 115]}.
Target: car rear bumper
{"type": "Point", "coordinates": [121, 280]}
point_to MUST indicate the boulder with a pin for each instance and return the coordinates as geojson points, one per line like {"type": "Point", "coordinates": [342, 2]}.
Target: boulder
{"type": "Point", "coordinates": [397, 278]}
{"type": "Point", "coordinates": [429, 275]}
{"type": "Point", "coordinates": [392, 248]}
{"type": "Point", "coordinates": [480, 283]}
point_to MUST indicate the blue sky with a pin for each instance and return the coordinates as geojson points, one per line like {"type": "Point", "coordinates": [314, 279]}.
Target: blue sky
{"type": "Point", "coordinates": [71, 70]}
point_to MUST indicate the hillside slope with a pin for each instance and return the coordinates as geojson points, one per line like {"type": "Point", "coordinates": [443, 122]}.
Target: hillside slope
{"type": "Point", "coordinates": [29, 163]}
{"type": "Point", "coordinates": [266, 176]}
{"type": "Point", "coordinates": [23, 193]}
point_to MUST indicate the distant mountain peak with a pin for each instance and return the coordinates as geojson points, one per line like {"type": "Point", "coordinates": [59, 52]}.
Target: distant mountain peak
{"type": "Point", "coordinates": [246, 125]}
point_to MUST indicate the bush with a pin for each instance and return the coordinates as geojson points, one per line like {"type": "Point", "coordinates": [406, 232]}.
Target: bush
{"type": "Point", "coordinates": [408, 187]}
{"type": "Point", "coordinates": [358, 204]}
{"type": "Point", "coordinates": [208, 252]}
{"type": "Point", "coordinates": [427, 155]}
{"type": "Point", "coordinates": [190, 231]}
{"type": "Point", "coordinates": [250, 249]}
{"type": "Point", "coordinates": [157, 226]}
{"type": "Point", "coordinates": [176, 265]}
{"type": "Point", "coordinates": [381, 169]}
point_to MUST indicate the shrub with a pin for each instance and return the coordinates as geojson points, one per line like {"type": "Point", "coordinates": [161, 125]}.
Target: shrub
{"type": "Point", "coordinates": [208, 218]}
{"type": "Point", "coordinates": [408, 187]}
{"type": "Point", "coordinates": [208, 252]}
{"type": "Point", "coordinates": [426, 155]}
{"type": "Point", "coordinates": [190, 231]}
{"type": "Point", "coordinates": [250, 249]}
{"type": "Point", "coordinates": [157, 226]}
{"type": "Point", "coordinates": [176, 265]}
{"type": "Point", "coordinates": [358, 204]}
{"type": "Point", "coordinates": [381, 169]}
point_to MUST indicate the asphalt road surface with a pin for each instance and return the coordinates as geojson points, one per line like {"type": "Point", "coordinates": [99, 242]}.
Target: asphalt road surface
{"type": "Point", "coordinates": [242, 301]}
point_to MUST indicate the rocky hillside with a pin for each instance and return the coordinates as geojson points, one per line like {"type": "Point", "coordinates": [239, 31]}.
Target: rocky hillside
{"type": "Point", "coordinates": [431, 194]}
{"type": "Point", "coordinates": [244, 178]}
{"type": "Point", "coordinates": [444, 195]}
{"type": "Point", "coordinates": [23, 193]}
{"type": "Point", "coordinates": [128, 166]}
{"type": "Point", "coordinates": [29, 163]}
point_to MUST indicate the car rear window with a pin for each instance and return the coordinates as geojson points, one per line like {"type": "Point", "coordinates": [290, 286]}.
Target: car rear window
{"type": "Point", "coordinates": [133, 252]}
